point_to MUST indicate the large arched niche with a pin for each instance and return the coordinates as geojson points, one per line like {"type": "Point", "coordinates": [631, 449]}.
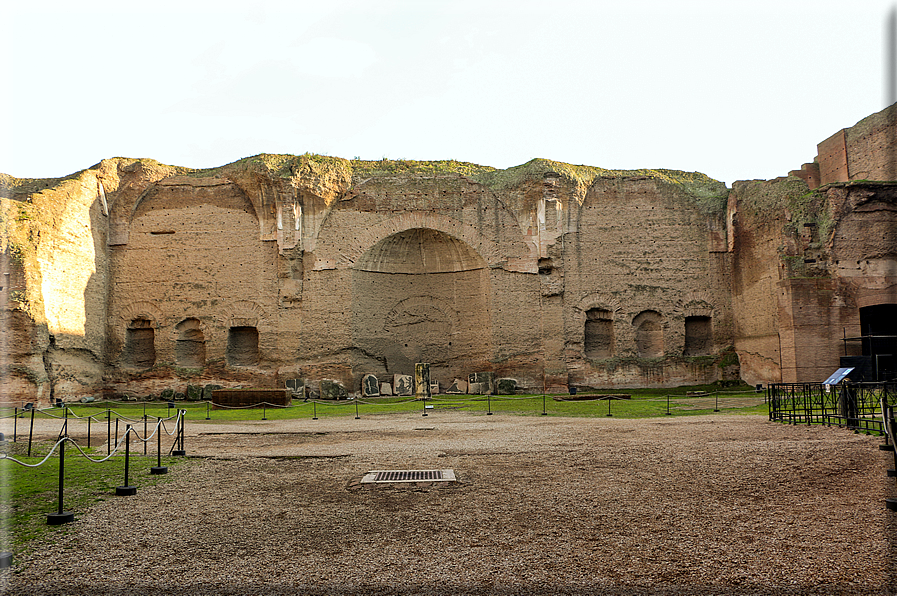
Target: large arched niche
{"type": "Point", "coordinates": [421, 295]}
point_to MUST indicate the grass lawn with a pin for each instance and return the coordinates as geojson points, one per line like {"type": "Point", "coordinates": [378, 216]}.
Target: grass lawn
{"type": "Point", "coordinates": [29, 494]}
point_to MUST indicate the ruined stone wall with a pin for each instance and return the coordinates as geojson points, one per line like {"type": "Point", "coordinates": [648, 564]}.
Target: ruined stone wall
{"type": "Point", "coordinates": [865, 151]}
{"type": "Point", "coordinates": [54, 242]}
{"type": "Point", "coordinates": [639, 256]}
{"type": "Point", "coordinates": [133, 277]}
{"type": "Point", "coordinates": [194, 269]}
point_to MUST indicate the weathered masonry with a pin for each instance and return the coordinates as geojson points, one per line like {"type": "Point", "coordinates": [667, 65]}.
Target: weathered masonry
{"type": "Point", "coordinates": [132, 276]}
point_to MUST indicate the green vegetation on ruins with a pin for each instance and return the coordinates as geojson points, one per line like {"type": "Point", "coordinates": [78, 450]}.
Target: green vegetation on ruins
{"type": "Point", "coordinates": [707, 194]}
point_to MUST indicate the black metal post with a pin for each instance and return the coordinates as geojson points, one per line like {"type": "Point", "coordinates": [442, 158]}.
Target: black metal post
{"type": "Point", "coordinates": [544, 410]}
{"type": "Point", "coordinates": [31, 431]}
{"type": "Point", "coordinates": [116, 432]}
{"type": "Point", "coordinates": [144, 429]}
{"type": "Point", "coordinates": [61, 517]}
{"type": "Point", "coordinates": [265, 410]}
{"type": "Point", "coordinates": [126, 490]}
{"type": "Point", "coordinates": [108, 431]}
{"type": "Point", "coordinates": [357, 417]}
{"type": "Point", "coordinates": [608, 407]}
{"type": "Point", "coordinates": [159, 468]}
{"type": "Point", "coordinates": [207, 411]}
{"type": "Point", "coordinates": [716, 405]}
{"type": "Point", "coordinates": [314, 406]}
{"type": "Point", "coordinates": [88, 431]}
{"type": "Point", "coordinates": [15, 422]}
{"type": "Point", "coordinates": [180, 438]}
{"type": "Point", "coordinates": [424, 400]}
{"type": "Point", "coordinates": [668, 404]}
{"type": "Point", "coordinates": [489, 404]}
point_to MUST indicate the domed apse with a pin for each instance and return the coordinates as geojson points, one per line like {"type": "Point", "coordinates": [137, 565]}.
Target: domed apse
{"type": "Point", "coordinates": [422, 295]}
{"type": "Point", "coordinates": [420, 251]}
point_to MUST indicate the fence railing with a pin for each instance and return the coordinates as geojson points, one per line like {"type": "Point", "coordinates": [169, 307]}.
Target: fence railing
{"type": "Point", "coordinates": [856, 406]}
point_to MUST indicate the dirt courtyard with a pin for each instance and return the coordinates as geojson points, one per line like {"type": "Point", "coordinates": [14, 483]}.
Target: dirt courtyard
{"type": "Point", "coordinates": [722, 504]}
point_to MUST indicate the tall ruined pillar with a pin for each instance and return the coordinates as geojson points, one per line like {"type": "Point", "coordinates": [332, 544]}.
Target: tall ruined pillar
{"type": "Point", "coordinates": [421, 380]}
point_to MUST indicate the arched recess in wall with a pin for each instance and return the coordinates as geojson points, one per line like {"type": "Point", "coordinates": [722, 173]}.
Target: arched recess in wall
{"type": "Point", "coordinates": [190, 345]}
{"type": "Point", "coordinates": [421, 295]}
{"type": "Point", "coordinates": [598, 340]}
{"type": "Point", "coordinates": [140, 343]}
{"type": "Point", "coordinates": [242, 321]}
{"type": "Point", "coordinates": [649, 334]}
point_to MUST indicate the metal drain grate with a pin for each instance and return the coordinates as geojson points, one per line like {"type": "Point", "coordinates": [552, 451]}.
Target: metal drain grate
{"type": "Point", "coordinates": [409, 476]}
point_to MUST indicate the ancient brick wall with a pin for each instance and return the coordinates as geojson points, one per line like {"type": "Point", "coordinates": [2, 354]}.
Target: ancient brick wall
{"type": "Point", "coordinates": [865, 151]}
{"type": "Point", "coordinates": [193, 268]}
{"type": "Point", "coordinates": [137, 277]}
{"type": "Point", "coordinates": [645, 257]}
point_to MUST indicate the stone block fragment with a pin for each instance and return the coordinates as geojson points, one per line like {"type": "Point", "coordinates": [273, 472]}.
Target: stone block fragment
{"type": "Point", "coordinates": [207, 391]}
{"type": "Point", "coordinates": [458, 386]}
{"type": "Point", "coordinates": [333, 390]}
{"type": "Point", "coordinates": [369, 386]}
{"type": "Point", "coordinates": [168, 394]}
{"type": "Point", "coordinates": [506, 387]}
{"type": "Point", "coordinates": [194, 393]}
{"type": "Point", "coordinates": [296, 387]}
{"type": "Point", "coordinates": [385, 389]}
{"type": "Point", "coordinates": [434, 387]}
{"type": "Point", "coordinates": [481, 383]}
{"type": "Point", "coordinates": [403, 385]}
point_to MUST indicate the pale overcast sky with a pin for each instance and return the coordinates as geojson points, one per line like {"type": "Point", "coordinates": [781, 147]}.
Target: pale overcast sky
{"type": "Point", "coordinates": [736, 90]}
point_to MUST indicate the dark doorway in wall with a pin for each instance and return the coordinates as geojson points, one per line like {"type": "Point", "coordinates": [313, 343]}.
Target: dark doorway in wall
{"type": "Point", "coordinates": [698, 336]}
{"type": "Point", "coordinates": [140, 343]}
{"type": "Point", "coordinates": [599, 334]}
{"type": "Point", "coordinates": [878, 325]}
{"type": "Point", "coordinates": [242, 346]}
{"type": "Point", "coordinates": [190, 350]}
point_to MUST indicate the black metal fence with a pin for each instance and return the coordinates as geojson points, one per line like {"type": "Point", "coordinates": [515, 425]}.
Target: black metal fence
{"type": "Point", "coordinates": [857, 406]}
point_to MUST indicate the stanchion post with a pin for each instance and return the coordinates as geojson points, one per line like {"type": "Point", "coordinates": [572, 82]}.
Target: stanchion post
{"type": "Point", "coordinates": [424, 401]}
{"type": "Point", "coordinates": [544, 410]}
{"type": "Point", "coordinates": [264, 411]}
{"type": "Point", "coordinates": [314, 406]}
{"type": "Point", "coordinates": [144, 429]}
{"type": "Point", "coordinates": [207, 411]}
{"type": "Point", "coordinates": [88, 431]}
{"type": "Point", "coordinates": [116, 431]}
{"type": "Point", "coordinates": [108, 431]}
{"type": "Point", "coordinates": [159, 468]}
{"type": "Point", "coordinates": [488, 405]}
{"type": "Point", "coordinates": [15, 422]}
{"type": "Point", "coordinates": [31, 431]}
{"type": "Point", "coordinates": [180, 438]}
{"type": "Point", "coordinates": [61, 517]}
{"type": "Point", "coordinates": [608, 407]}
{"type": "Point", "coordinates": [716, 406]}
{"type": "Point", "coordinates": [126, 490]}
{"type": "Point", "coordinates": [668, 404]}
{"type": "Point", "coordinates": [357, 417]}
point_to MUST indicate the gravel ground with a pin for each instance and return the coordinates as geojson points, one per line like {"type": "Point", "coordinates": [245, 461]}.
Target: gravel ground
{"type": "Point", "coordinates": [721, 504]}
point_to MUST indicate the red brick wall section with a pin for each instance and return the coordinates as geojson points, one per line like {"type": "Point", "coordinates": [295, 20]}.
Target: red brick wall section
{"type": "Point", "coordinates": [809, 173]}
{"type": "Point", "coordinates": [832, 158]}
